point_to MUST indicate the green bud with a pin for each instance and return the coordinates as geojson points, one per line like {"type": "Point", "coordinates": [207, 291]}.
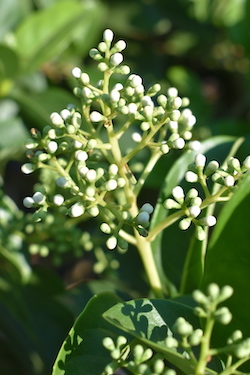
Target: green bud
{"type": "Point", "coordinates": [200, 297]}
{"type": "Point", "coordinates": [213, 291]}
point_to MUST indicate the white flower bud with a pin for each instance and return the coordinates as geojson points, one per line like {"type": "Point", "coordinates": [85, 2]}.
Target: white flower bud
{"type": "Point", "coordinates": [111, 185]}
{"type": "Point", "coordinates": [173, 126]}
{"type": "Point", "coordinates": [179, 143]}
{"type": "Point", "coordinates": [194, 211]}
{"type": "Point", "coordinates": [28, 202]}
{"type": "Point", "coordinates": [76, 210]}
{"type": "Point", "coordinates": [148, 111]}
{"type": "Point", "coordinates": [146, 100]}
{"type": "Point", "coordinates": [194, 145]}
{"type": "Point", "coordinates": [147, 207]}
{"type": "Point", "coordinates": [184, 224]}
{"type": "Point", "coordinates": [190, 121]}
{"type": "Point", "coordinates": [108, 35]}
{"type": "Point", "coordinates": [175, 115]}
{"type": "Point", "coordinates": [65, 114]}
{"type": "Point", "coordinates": [234, 163]}
{"type": "Point", "coordinates": [105, 228]}
{"type": "Point", "coordinates": [91, 175]}
{"type": "Point", "coordinates": [114, 96]}
{"type": "Point", "coordinates": [212, 166]}
{"type": "Point", "coordinates": [58, 199]}
{"type": "Point", "coordinates": [209, 220]}
{"type": "Point", "coordinates": [191, 176]}
{"type": "Point", "coordinates": [52, 147]}
{"type": "Point", "coordinates": [121, 182]}
{"type": "Point", "coordinates": [116, 59]}
{"type": "Point", "coordinates": [113, 169]}
{"type": "Point", "coordinates": [135, 80]}
{"type": "Point", "coordinates": [76, 72]}
{"type": "Point", "coordinates": [213, 290]}
{"type": "Point", "coordinates": [90, 191]}
{"type": "Point", "coordinates": [229, 181]}
{"type": "Point", "coordinates": [62, 182]}
{"type": "Point", "coordinates": [143, 218]}
{"type": "Point", "coordinates": [95, 116]}
{"type": "Point", "coordinates": [111, 243]}
{"type": "Point", "coordinates": [38, 197]}
{"type": "Point", "coordinates": [132, 108]}
{"type": "Point", "coordinates": [27, 168]}
{"type": "Point", "coordinates": [85, 78]}
{"type": "Point", "coordinates": [83, 170]}
{"type": "Point", "coordinates": [56, 119]}
{"type": "Point", "coordinates": [102, 47]}
{"type": "Point", "coordinates": [118, 86]}
{"type": "Point", "coordinates": [246, 162]}
{"type": "Point", "coordinates": [176, 103]}
{"type": "Point", "coordinates": [87, 93]}
{"type": "Point", "coordinates": [93, 211]}
{"type": "Point", "coordinates": [81, 155]}
{"type": "Point", "coordinates": [120, 45]}
{"type": "Point", "coordinates": [200, 160]}
{"type": "Point", "coordinates": [178, 193]}
{"type": "Point", "coordinates": [102, 66]}
{"type": "Point", "coordinates": [136, 137]}
{"type": "Point", "coordinates": [172, 92]}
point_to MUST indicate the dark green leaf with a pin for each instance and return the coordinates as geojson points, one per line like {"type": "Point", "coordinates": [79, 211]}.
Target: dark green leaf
{"type": "Point", "coordinates": [82, 353]}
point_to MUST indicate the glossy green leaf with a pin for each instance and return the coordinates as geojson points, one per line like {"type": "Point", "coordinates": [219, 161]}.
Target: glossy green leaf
{"type": "Point", "coordinates": [150, 321]}
{"type": "Point", "coordinates": [48, 32]}
{"type": "Point", "coordinates": [228, 257]}
{"type": "Point", "coordinates": [82, 353]}
{"type": "Point", "coordinates": [173, 178]}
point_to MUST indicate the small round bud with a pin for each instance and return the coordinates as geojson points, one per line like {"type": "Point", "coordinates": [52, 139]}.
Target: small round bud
{"type": "Point", "coordinates": [52, 147]}
{"type": "Point", "coordinates": [95, 116]}
{"type": "Point", "coordinates": [200, 160]}
{"type": "Point", "coordinates": [116, 59]}
{"type": "Point", "coordinates": [171, 342]}
{"type": "Point", "coordinates": [132, 108]}
{"type": "Point", "coordinates": [164, 148]}
{"type": "Point", "coordinates": [56, 119]}
{"type": "Point", "coordinates": [111, 185]}
{"type": "Point", "coordinates": [27, 168]}
{"type": "Point", "coordinates": [229, 181]}
{"type": "Point", "coordinates": [246, 162]}
{"type": "Point", "coordinates": [85, 78]}
{"type": "Point", "coordinates": [184, 224]}
{"type": "Point", "coordinates": [175, 115]}
{"type": "Point", "coordinates": [143, 218]}
{"type": "Point", "coordinates": [120, 45]}
{"type": "Point", "coordinates": [179, 143]}
{"type": "Point", "coordinates": [108, 35]}
{"type": "Point", "coordinates": [111, 243]}
{"type": "Point", "coordinates": [81, 155]}
{"type": "Point", "coordinates": [194, 211]}
{"type": "Point", "coordinates": [200, 297]}
{"type": "Point", "coordinates": [211, 167]}
{"type": "Point", "coordinates": [200, 233]}
{"type": "Point", "coordinates": [147, 207]}
{"type": "Point", "coordinates": [38, 197]}
{"type": "Point", "coordinates": [226, 292]}
{"type": "Point", "coordinates": [213, 290]}
{"type": "Point", "coordinates": [28, 202]}
{"type": "Point", "coordinates": [171, 204]}
{"type": "Point", "coordinates": [172, 92]}
{"type": "Point", "coordinates": [108, 343]}
{"type": "Point", "coordinates": [102, 66]}
{"type": "Point", "coordinates": [176, 103]}
{"type": "Point", "coordinates": [114, 96]}
{"type": "Point", "coordinates": [113, 169]}
{"type": "Point", "coordinates": [105, 228]}
{"type": "Point", "coordinates": [182, 327]}
{"type": "Point", "coordinates": [93, 211]}
{"type": "Point", "coordinates": [91, 175]}
{"type": "Point", "coordinates": [195, 337]}
{"type": "Point", "coordinates": [159, 366]}
{"type": "Point", "coordinates": [209, 220]}
{"type": "Point", "coordinates": [162, 100]}
{"type": "Point", "coordinates": [234, 163]}
{"type": "Point", "coordinates": [194, 145]}
{"type": "Point", "coordinates": [76, 72]}
{"type": "Point", "coordinates": [223, 315]}
{"type": "Point", "coordinates": [191, 176]}
{"type": "Point", "coordinates": [147, 101]}
{"type": "Point", "coordinates": [58, 199]}
{"type": "Point", "coordinates": [62, 182]}
{"type": "Point", "coordinates": [135, 80]}
{"type": "Point", "coordinates": [178, 193]}
{"type": "Point", "coordinates": [136, 137]}
{"type": "Point", "coordinates": [76, 210]}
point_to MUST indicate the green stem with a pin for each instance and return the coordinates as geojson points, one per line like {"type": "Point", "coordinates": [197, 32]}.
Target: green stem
{"type": "Point", "coordinates": [205, 347]}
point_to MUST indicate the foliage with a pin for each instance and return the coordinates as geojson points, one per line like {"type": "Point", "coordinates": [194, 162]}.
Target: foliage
{"type": "Point", "coordinates": [122, 189]}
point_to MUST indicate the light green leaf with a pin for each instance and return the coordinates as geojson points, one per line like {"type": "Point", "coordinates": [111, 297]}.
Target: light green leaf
{"type": "Point", "coordinates": [45, 34]}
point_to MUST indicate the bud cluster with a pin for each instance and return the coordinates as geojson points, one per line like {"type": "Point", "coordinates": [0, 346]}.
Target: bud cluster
{"type": "Point", "coordinates": [190, 203]}
{"type": "Point", "coordinates": [208, 303]}
{"type": "Point", "coordinates": [225, 176]}
{"type": "Point", "coordinates": [137, 359]}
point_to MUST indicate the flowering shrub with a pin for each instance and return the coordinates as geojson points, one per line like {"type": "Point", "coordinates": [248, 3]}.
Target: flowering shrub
{"type": "Point", "coordinates": [88, 158]}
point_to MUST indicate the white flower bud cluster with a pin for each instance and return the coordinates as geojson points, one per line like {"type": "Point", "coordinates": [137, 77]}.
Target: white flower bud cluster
{"type": "Point", "coordinates": [190, 204]}
{"type": "Point", "coordinates": [208, 303]}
